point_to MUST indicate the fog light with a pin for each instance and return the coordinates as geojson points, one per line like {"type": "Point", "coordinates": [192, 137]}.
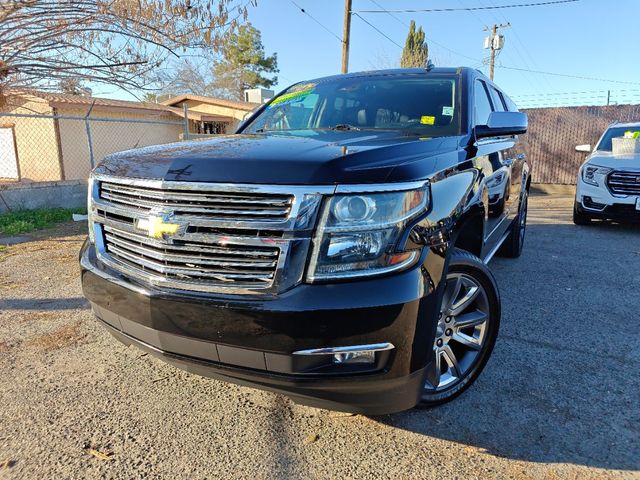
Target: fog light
{"type": "Point", "coordinates": [354, 357]}
{"type": "Point", "coordinates": [353, 354]}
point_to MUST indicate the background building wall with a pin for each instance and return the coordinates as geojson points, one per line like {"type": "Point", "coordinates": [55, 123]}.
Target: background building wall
{"type": "Point", "coordinates": [218, 110]}
{"type": "Point", "coordinates": [110, 137]}
{"type": "Point", "coordinates": [35, 139]}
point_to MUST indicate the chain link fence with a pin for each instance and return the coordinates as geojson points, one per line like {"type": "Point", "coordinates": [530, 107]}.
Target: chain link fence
{"type": "Point", "coordinates": [46, 150]}
{"type": "Point", "coordinates": [50, 147]}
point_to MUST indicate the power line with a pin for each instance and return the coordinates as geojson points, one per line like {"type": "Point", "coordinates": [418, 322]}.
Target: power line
{"type": "Point", "coordinates": [569, 94]}
{"type": "Point", "coordinates": [315, 20]}
{"type": "Point", "coordinates": [568, 76]}
{"type": "Point", "coordinates": [377, 30]}
{"type": "Point", "coordinates": [430, 40]}
{"type": "Point", "coordinates": [523, 61]}
{"type": "Point", "coordinates": [468, 9]}
{"type": "Point", "coordinates": [390, 14]}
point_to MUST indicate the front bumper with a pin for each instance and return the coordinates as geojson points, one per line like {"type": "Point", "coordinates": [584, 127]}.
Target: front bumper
{"type": "Point", "coordinates": [250, 341]}
{"type": "Point", "coordinates": [599, 202]}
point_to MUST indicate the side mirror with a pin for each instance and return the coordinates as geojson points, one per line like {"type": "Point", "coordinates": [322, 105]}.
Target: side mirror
{"type": "Point", "coordinates": [583, 148]}
{"type": "Point", "coordinates": [502, 124]}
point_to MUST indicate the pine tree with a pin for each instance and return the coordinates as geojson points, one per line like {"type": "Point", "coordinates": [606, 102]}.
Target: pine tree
{"type": "Point", "coordinates": [416, 51]}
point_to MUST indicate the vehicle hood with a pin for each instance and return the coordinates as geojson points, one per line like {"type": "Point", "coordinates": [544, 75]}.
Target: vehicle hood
{"type": "Point", "coordinates": [617, 162]}
{"type": "Point", "coordinates": [311, 158]}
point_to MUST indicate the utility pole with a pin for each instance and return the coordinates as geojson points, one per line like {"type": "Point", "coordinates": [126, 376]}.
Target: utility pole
{"type": "Point", "coordinates": [495, 42]}
{"type": "Point", "coordinates": [346, 34]}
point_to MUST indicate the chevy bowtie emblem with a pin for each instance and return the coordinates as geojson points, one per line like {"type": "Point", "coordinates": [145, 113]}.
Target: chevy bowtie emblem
{"type": "Point", "coordinates": [160, 225]}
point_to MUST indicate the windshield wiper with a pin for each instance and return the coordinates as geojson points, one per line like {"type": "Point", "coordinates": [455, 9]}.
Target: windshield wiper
{"type": "Point", "coordinates": [343, 126]}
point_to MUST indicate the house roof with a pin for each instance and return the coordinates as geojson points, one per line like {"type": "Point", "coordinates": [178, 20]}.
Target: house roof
{"type": "Point", "coordinates": [70, 99]}
{"type": "Point", "coordinates": [65, 99]}
{"type": "Point", "coordinates": [213, 101]}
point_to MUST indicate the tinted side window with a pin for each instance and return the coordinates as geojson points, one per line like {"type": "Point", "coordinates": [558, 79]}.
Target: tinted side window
{"type": "Point", "coordinates": [482, 104]}
{"type": "Point", "coordinates": [498, 100]}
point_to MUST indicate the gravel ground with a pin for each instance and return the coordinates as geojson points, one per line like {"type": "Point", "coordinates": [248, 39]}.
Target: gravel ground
{"type": "Point", "coordinates": [558, 399]}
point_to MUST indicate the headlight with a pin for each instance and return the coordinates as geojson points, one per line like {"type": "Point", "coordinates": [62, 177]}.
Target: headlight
{"type": "Point", "coordinates": [594, 175]}
{"type": "Point", "coordinates": [358, 233]}
{"type": "Point", "coordinates": [496, 181]}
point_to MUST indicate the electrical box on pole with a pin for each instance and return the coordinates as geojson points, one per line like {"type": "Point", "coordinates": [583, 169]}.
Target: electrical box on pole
{"type": "Point", "coordinates": [498, 42]}
{"type": "Point", "coordinates": [494, 42]}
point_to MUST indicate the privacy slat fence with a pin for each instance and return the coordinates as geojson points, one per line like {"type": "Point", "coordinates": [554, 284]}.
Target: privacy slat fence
{"type": "Point", "coordinates": [554, 133]}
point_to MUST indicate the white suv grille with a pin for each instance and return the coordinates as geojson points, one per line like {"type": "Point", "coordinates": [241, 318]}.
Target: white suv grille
{"type": "Point", "coordinates": [624, 183]}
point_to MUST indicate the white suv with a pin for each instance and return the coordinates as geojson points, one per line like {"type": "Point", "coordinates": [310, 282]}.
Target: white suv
{"type": "Point", "coordinates": [608, 184]}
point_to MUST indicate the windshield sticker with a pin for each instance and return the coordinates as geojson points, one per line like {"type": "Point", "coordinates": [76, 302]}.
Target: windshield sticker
{"type": "Point", "coordinates": [427, 120]}
{"type": "Point", "coordinates": [296, 93]}
{"type": "Point", "coordinates": [448, 111]}
{"type": "Point", "coordinates": [631, 134]}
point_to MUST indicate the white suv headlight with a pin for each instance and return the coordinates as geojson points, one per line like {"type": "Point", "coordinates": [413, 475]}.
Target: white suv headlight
{"type": "Point", "coordinates": [594, 175]}
{"type": "Point", "coordinates": [357, 234]}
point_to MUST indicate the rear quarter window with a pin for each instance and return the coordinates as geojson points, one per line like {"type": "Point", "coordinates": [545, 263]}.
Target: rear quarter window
{"type": "Point", "coordinates": [482, 104]}
{"type": "Point", "coordinates": [498, 100]}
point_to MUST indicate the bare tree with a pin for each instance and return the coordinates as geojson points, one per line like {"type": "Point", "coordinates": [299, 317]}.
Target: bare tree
{"type": "Point", "coordinates": [115, 42]}
{"type": "Point", "coordinates": [241, 63]}
{"type": "Point", "coordinates": [187, 76]}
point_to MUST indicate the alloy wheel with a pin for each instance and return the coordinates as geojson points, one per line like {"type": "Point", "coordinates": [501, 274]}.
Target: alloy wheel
{"type": "Point", "coordinates": [461, 331]}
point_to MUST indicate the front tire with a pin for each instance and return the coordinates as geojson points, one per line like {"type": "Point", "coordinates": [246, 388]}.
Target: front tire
{"type": "Point", "coordinates": [467, 329]}
{"type": "Point", "coordinates": [512, 246]}
{"type": "Point", "coordinates": [580, 218]}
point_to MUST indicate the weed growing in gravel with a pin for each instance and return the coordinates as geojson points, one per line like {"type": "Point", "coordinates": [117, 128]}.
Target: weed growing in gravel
{"type": "Point", "coordinates": [23, 221]}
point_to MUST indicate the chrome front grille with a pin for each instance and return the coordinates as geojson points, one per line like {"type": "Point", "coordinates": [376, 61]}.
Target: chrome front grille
{"type": "Point", "coordinates": [624, 183]}
{"type": "Point", "coordinates": [192, 262]}
{"type": "Point", "coordinates": [235, 239]}
{"type": "Point", "coordinates": [237, 206]}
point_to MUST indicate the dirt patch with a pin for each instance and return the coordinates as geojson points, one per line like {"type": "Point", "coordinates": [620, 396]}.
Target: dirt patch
{"type": "Point", "coordinates": [4, 281]}
{"type": "Point", "coordinates": [65, 336]}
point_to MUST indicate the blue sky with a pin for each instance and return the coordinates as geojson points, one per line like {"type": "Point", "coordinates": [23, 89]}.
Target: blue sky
{"type": "Point", "coordinates": [585, 38]}
{"type": "Point", "coordinates": [590, 38]}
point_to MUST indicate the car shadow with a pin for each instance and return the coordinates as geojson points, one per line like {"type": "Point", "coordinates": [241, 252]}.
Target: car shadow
{"type": "Point", "coordinates": [44, 303]}
{"type": "Point", "coordinates": [562, 384]}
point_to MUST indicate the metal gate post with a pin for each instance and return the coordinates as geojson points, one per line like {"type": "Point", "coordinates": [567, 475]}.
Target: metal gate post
{"type": "Point", "coordinates": [89, 140]}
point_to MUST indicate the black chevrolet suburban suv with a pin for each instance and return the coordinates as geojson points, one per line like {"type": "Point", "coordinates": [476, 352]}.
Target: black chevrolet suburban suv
{"type": "Point", "coordinates": [333, 249]}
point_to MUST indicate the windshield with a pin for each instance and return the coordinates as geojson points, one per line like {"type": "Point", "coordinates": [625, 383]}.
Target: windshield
{"type": "Point", "coordinates": [605, 143]}
{"type": "Point", "coordinates": [426, 106]}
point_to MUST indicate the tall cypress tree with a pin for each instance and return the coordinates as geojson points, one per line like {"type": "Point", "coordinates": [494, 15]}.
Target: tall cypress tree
{"type": "Point", "coordinates": [416, 51]}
